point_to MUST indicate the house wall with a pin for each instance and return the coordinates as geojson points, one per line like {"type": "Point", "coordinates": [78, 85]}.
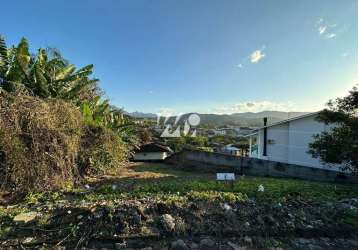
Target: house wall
{"type": "Point", "coordinates": [291, 142]}
{"type": "Point", "coordinates": [278, 150]}
{"type": "Point", "coordinates": [150, 156]}
{"type": "Point", "coordinates": [300, 136]}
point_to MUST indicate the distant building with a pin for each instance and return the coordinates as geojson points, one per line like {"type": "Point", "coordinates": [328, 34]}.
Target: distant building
{"type": "Point", "coordinates": [288, 141]}
{"type": "Point", "coordinates": [243, 131]}
{"type": "Point", "coordinates": [232, 131]}
{"type": "Point", "coordinates": [231, 150]}
{"type": "Point", "coordinates": [152, 152]}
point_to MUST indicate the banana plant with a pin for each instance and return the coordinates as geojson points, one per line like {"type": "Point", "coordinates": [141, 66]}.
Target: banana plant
{"type": "Point", "coordinates": [46, 74]}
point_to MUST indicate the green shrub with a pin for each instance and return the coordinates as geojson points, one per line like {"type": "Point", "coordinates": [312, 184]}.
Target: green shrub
{"type": "Point", "coordinates": [101, 150]}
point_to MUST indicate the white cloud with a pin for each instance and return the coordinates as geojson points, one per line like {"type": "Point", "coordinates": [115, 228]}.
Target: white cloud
{"type": "Point", "coordinates": [239, 65]}
{"type": "Point", "coordinates": [165, 112]}
{"type": "Point", "coordinates": [330, 35]}
{"type": "Point", "coordinates": [256, 56]}
{"type": "Point", "coordinates": [322, 29]}
{"type": "Point", "coordinates": [326, 30]}
{"type": "Point", "coordinates": [255, 106]}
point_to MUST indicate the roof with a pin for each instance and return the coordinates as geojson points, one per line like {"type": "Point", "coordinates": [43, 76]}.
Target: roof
{"type": "Point", "coordinates": [230, 147]}
{"type": "Point", "coordinates": [154, 147]}
{"type": "Point", "coordinates": [284, 121]}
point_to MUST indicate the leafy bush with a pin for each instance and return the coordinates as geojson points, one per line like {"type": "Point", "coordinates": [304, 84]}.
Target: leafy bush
{"type": "Point", "coordinates": [101, 150]}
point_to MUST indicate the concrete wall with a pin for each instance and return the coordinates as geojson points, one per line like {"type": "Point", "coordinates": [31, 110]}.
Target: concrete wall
{"type": "Point", "coordinates": [216, 162]}
{"type": "Point", "coordinates": [150, 156]}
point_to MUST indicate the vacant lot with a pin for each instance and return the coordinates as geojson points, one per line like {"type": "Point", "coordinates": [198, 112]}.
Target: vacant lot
{"type": "Point", "coordinates": [153, 204]}
{"type": "Point", "coordinates": [156, 179]}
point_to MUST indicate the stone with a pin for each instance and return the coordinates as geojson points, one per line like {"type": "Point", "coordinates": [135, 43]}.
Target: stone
{"type": "Point", "coordinates": [207, 243]}
{"type": "Point", "coordinates": [167, 222]}
{"type": "Point", "coordinates": [235, 246]}
{"type": "Point", "coordinates": [28, 240]}
{"type": "Point", "coordinates": [179, 245]}
{"type": "Point", "coordinates": [260, 220]}
{"type": "Point", "coordinates": [227, 207]}
{"type": "Point", "coordinates": [194, 245]}
{"type": "Point", "coordinates": [25, 217]}
{"type": "Point", "coordinates": [270, 220]}
{"type": "Point", "coordinates": [303, 241]}
{"type": "Point", "coordinates": [120, 246]}
{"type": "Point", "coordinates": [353, 243]}
{"type": "Point", "coordinates": [247, 240]}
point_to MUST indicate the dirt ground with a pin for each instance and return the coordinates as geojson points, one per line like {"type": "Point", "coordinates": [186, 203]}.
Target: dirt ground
{"type": "Point", "coordinates": [156, 206]}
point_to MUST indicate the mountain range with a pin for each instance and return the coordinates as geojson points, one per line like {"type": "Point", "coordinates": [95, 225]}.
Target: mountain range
{"type": "Point", "coordinates": [250, 119]}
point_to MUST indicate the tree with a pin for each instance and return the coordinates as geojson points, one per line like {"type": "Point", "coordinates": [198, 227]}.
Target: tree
{"type": "Point", "coordinates": [340, 143]}
{"type": "Point", "coordinates": [47, 74]}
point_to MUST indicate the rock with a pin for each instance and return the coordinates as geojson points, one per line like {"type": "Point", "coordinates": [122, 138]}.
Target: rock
{"type": "Point", "coordinates": [270, 220]}
{"type": "Point", "coordinates": [167, 222]}
{"type": "Point", "coordinates": [178, 245]}
{"type": "Point", "coordinates": [314, 247]}
{"type": "Point", "coordinates": [303, 241]}
{"type": "Point", "coordinates": [207, 243]}
{"type": "Point", "coordinates": [25, 217]}
{"type": "Point", "coordinates": [120, 246]}
{"type": "Point", "coordinates": [28, 240]}
{"type": "Point", "coordinates": [260, 220]}
{"type": "Point", "coordinates": [193, 245]}
{"type": "Point", "coordinates": [353, 243]}
{"type": "Point", "coordinates": [235, 246]}
{"type": "Point", "coordinates": [227, 207]}
{"type": "Point", "coordinates": [247, 240]}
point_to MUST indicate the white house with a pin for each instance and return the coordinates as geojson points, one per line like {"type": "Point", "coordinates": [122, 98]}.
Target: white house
{"type": "Point", "coordinates": [152, 152]}
{"type": "Point", "coordinates": [230, 149]}
{"type": "Point", "coordinates": [288, 141]}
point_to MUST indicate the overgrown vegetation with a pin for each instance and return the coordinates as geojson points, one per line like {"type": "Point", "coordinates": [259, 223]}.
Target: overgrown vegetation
{"type": "Point", "coordinates": [55, 126]}
{"type": "Point", "coordinates": [39, 142]}
{"type": "Point", "coordinates": [165, 183]}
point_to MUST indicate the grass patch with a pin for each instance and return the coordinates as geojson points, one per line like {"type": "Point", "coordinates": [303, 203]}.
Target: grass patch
{"type": "Point", "coordinates": [168, 181]}
{"type": "Point", "coordinates": [350, 218]}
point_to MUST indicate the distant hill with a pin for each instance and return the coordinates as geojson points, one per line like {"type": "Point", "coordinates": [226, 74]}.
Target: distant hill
{"type": "Point", "coordinates": [238, 119]}
{"type": "Point", "coordinates": [142, 115]}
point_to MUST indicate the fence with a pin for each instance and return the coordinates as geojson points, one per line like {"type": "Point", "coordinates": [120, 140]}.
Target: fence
{"type": "Point", "coordinates": [216, 162]}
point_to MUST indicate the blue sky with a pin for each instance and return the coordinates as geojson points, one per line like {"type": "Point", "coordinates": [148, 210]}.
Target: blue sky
{"type": "Point", "coordinates": [205, 55]}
